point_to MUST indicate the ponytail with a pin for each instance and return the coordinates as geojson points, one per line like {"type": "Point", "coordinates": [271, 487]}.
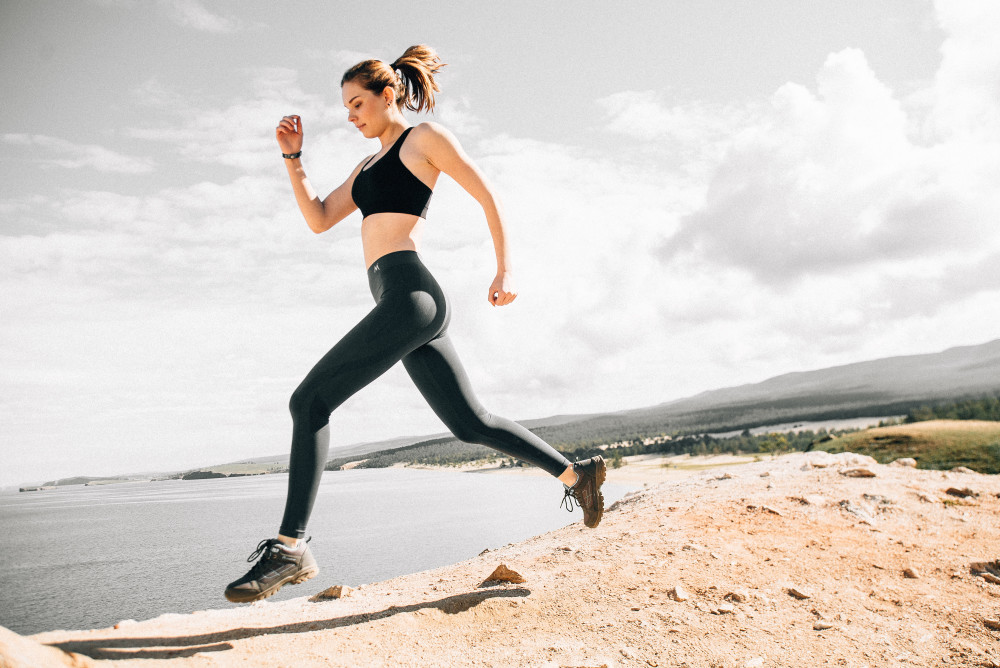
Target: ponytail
{"type": "Point", "coordinates": [414, 85]}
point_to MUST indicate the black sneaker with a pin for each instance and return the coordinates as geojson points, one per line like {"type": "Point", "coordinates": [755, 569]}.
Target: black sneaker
{"type": "Point", "coordinates": [587, 490]}
{"type": "Point", "coordinates": [279, 565]}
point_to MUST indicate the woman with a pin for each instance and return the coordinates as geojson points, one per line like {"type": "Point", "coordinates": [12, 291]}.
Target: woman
{"type": "Point", "coordinates": [410, 319]}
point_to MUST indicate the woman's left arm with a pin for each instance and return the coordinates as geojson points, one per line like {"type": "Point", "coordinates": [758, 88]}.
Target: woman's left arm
{"type": "Point", "coordinates": [443, 151]}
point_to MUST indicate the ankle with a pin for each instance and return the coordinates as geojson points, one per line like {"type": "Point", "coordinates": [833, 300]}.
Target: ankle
{"type": "Point", "coordinates": [288, 542]}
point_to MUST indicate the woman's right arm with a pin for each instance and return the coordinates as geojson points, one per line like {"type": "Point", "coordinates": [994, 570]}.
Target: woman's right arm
{"type": "Point", "coordinates": [320, 214]}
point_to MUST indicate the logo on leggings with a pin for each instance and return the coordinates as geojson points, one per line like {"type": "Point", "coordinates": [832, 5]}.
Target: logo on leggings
{"type": "Point", "coordinates": [376, 266]}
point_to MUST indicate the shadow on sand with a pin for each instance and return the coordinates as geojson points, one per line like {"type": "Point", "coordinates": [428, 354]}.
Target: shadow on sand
{"type": "Point", "coordinates": [183, 646]}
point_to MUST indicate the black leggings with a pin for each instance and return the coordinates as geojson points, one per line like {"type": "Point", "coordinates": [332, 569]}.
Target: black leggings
{"type": "Point", "coordinates": [409, 323]}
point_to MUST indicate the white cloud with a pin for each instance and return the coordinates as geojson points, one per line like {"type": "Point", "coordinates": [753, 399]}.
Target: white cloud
{"type": "Point", "coordinates": [193, 14]}
{"type": "Point", "coordinates": [54, 151]}
{"type": "Point", "coordinates": [681, 247]}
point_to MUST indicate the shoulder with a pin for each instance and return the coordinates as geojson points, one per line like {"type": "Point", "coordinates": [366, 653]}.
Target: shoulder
{"type": "Point", "coordinates": [431, 133]}
{"type": "Point", "coordinates": [435, 141]}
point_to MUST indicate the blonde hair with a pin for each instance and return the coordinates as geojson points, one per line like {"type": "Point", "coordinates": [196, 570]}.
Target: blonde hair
{"type": "Point", "coordinates": [414, 84]}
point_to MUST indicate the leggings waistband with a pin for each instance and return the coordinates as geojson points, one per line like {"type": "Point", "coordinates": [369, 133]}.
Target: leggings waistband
{"type": "Point", "coordinates": [394, 259]}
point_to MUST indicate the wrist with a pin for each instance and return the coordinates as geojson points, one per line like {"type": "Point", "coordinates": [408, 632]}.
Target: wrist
{"type": "Point", "coordinates": [292, 156]}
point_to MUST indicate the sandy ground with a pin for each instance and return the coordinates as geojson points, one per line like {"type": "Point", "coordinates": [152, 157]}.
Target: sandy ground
{"type": "Point", "coordinates": [784, 562]}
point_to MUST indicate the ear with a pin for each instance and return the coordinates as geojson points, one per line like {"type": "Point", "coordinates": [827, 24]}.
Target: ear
{"type": "Point", "coordinates": [389, 95]}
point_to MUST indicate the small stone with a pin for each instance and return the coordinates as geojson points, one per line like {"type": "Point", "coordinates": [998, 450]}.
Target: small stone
{"type": "Point", "coordinates": [989, 577]}
{"type": "Point", "coordinates": [627, 653]}
{"type": "Point", "coordinates": [724, 609]}
{"type": "Point", "coordinates": [822, 626]}
{"type": "Point", "coordinates": [980, 567]}
{"type": "Point", "coordinates": [992, 624]}
{"type": "Point", "coordinates": [336, 591]}
{"type": "Point", "coordinates": [799, 593]}
{"type": "Point", "coordinates": [125, 622]}
{"type": "Point", "coordinates": [725, 476]}
{"type": "Point", "coordinates": [755, 662]}
{"type": "Point", "coordinates": [905, 461]}
{"type": "Point", "coordinates": [927, 498]}
{"type": "Point", "coordinates": [961, 493]}
{"type": "Point", "coordinates": [768, 509]}
{"type": "Point", "coordinates": [737, 596]}
{"type": "Point", "coordinates": [678, 593]}
{"type": "Point", "coordinates": [636, 608]}
{"type": "Point", "coordinates": [911, 573]}
{"type": "Point", "coordinates": [503, 574]}
{"type": "Point", "coordinates": [962, 469]}
{"type": "Point", "coordinates": [858, 472]}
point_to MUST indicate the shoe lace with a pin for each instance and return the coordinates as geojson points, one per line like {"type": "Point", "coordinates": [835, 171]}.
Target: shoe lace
{"type": "Point", "coordinates": [569, 498]}
{"type": "Point", "coordinates": [263, 548]}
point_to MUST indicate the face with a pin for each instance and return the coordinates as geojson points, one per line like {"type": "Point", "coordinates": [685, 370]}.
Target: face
{"type": "Point", "coordinates": [367, 111]}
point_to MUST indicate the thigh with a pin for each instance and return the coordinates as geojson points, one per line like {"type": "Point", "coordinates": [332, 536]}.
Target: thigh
{"type": "Point", "coordinates": [438, 373]}
{"type": "Point", "coordinates": [367, 351]}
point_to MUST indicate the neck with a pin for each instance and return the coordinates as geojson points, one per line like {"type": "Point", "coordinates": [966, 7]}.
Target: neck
{"type": "Point", "coordinates": [392, 131]}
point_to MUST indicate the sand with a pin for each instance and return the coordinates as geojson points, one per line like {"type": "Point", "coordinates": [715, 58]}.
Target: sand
{"type": "Point", "coordinates": [783, 562]}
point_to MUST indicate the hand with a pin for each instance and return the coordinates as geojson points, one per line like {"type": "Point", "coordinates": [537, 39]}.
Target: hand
{"type": "Point", "coordinates": [502, 290]}
{"type": "Point", "coordinates": [289, 134]}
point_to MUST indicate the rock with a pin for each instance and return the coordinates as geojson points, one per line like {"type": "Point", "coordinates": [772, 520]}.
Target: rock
{"type": "Point", "coordinates": [799, 593]}
{"type": "Point", "coordinates": [768, 509]}
{"type": "Point", "coordinates": [859, 511]}
{"type": "Point", "coordinates": [737, 596]}
{"type": "Point", "coordinates": [961, 493]}
{"type": "Point", "coordinates": [992, 624]}
{"type": "Point", "coordinates": [678, 593]}
{"type": "Point", "coordinates": [858, 472]}
{"type": "Point", "coordinates": [905, 461]}
{"type": "Point", "coordinates": [725, 476]}
{"type": "Point", "coordinates": [822, 626]}
{"type": "Point", "coordinates": [980, 567]}
{"type": "Point", "coordinates": [503, 574]}
{"type": "Point", "coordinates": [330, 593]}
{"type": "Point", "coordinates": [962, 469]}
{"type": "Point", "coordinates": [989, 577]}
{"type": "Point", "coordinates": [755, 662]}
{"type": "Point", "coordinates": [16, 651]}
{"type": "Point", "coordinates": [724, 609]}
{"type": "Point", "coordinates": [911, 573]}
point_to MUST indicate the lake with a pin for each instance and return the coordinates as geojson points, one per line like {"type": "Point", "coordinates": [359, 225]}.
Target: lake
{"type": "Point", "coordinates": [81, 557]}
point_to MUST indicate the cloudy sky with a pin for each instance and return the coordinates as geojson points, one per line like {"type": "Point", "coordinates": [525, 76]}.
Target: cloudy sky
{"type": "Point", "coordinates": [701, 194]}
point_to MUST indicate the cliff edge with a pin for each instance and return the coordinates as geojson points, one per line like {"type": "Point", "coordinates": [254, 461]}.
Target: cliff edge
{"type": "Point", "coordinates": [810, 559]}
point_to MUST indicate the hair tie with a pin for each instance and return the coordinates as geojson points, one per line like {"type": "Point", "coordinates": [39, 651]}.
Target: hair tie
{"type": "Point", "coordinates": [399, 73]}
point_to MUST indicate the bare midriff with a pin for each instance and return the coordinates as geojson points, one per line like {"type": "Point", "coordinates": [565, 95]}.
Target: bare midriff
{"type": "Point", "coordinates": [384, 233]}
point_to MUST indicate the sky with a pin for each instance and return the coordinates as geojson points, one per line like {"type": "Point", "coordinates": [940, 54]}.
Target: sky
{"type": "Point", "coordinates": [699, 195]}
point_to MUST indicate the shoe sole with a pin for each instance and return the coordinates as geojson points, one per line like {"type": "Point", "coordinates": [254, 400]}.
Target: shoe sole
{"type": "Point", "coordinates": [599, 476]}
{"type": "Point", "coordinates": [298, 578]}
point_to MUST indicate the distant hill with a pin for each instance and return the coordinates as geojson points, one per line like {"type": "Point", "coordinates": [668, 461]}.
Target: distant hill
{"type": "Point", "coordinates": [888, 386]}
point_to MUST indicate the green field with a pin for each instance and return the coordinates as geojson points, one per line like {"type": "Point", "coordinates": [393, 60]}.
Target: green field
{"type": "Point", "coordinates": [937, 444]}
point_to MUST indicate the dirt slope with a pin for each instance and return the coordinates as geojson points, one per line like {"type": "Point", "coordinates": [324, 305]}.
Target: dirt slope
{"type": "Point", "coordinates": [737, 540]}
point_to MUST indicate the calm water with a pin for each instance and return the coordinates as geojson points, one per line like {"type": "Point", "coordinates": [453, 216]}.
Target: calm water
{"type": "Point", "coordinates": [87, 557]}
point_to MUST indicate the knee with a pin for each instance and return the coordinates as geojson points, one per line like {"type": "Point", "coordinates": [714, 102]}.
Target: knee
{"type": "Point", "coordinates": [472, 428]}
{"type": "Point", "coordinates": [307, 408]}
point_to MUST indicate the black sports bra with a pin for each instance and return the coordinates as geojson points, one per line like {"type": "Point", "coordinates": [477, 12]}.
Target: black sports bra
{"type": "Point", "coordinates": [389, 187]}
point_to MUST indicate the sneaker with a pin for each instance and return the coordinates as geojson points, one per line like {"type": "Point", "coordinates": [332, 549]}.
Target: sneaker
{"type": "Point", "coordinates": [279, 565]}
{"type": "Point", "coordinates": [587, 490]}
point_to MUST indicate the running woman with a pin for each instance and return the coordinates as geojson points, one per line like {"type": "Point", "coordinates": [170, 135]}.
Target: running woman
{"type": "Point", "coordinates": [409, 322]}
